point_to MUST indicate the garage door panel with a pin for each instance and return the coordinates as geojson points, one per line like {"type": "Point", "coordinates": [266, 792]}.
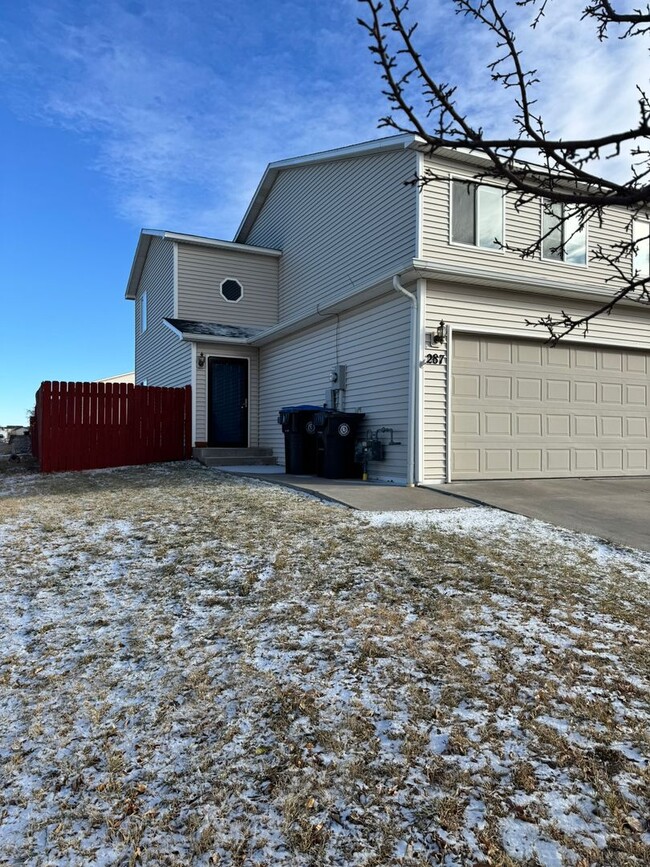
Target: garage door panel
{"type": "Point", "coordinates": [611, 392]}
{"type": "Point", "coordinates": [498, 424]}
{"type": "Point", "coordinates": [612, 459]}
{"type": "Point", "coordinates": [497, 351]}
{"type": "Point", "coordinates": [558, 425]}
{"type": "Point", "coordinates": [611, 426]}
{"type": "Point", "coordinates": [636, 364]}
{"type": "Point", "coordinates": [585, 392]}
{"type": "Point", "coordinates": [529, 389]}
{"type": "Point", "coordinates": [558, 461]}
{"type": "Point", "coordinates": [498, 387]}
{"type": "Point", "coordinates": [530, 460]}
{"type": "Point", "coordinates": [558, 389]}
{"type": "Point", "coordinates": [585, 359]}
{"type": "Point", "coordinates": [562, 411]}
{"type": "Point", "coordinates": [637, 395]}
{"type": "Point", "coordinates": [636, 427]}
{"type": "Point", "coordinates": [557, 356]}
{"type": "Point", "coordinates": [637, 459]}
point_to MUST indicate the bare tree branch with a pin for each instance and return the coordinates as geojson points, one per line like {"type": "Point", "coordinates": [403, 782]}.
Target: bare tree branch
{"type": "Point", "coordinates": [531, 163]}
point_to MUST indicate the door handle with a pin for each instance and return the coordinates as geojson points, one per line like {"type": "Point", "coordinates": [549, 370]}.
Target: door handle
{"type": "Point", "coordinates": [245, 403]}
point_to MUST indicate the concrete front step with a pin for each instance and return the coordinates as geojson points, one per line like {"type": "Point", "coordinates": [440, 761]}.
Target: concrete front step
{"type": "Point", "coordinates": [240, 462]}
{"type": "Point", "coordinates": [216, 457]}
{"type": "Point", "coordinates": [214, 452]}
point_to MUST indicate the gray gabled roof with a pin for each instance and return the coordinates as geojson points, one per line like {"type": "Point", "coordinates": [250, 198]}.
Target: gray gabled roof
{"type": "Point", "coordinates": [191, 330]}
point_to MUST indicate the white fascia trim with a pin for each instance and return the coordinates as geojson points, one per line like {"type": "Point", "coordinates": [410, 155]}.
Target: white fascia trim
{"type": "Point", "coordinates": [139, 258]}
{"type": "Point", "coordinates": [421, 308]}
{"type": "Point", "coordinates": [193, 383]}
{"type": "Point", "coordinates": [362, 294]}
{"type": "Point", "coordinates": [577, 340]}
{"type": "Point", "coordinates": [448, 386]}
{"type": "Point", "coordinates": [419, 213]}
{"type": "Point", "coordinates": [393, 142]}
{"type": "Point", "coordinates": [175, 281]}
{"type": "Point", "coordinates": [198, 240]}
{"type": "Point", "coordinates": [499, 280]}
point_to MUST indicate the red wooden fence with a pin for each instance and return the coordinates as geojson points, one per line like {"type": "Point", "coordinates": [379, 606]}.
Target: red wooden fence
{"type": "Point", "coordinates": [86, 425]}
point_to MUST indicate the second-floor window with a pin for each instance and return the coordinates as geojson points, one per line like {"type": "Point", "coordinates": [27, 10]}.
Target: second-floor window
{"type": "Point", "coordinates": [641, 237]}
{"type": "Point", "coordinates": [476, 214]}
{"type": "Point", "coordinates": [143, 313]}
{"type": "Point", "coordinates": [563, 238]}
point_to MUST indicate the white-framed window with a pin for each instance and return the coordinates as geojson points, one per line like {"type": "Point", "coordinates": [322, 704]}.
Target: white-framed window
{"type": "Point", "coordinates": [477, 214]}
{"type": "Point", "coordinates": [143, 312]}
{"type": "Point", "coordinates": [563, 238]}
{"type": "Point", "coordinates": [231, 290]}
{"type": "Point", "coordinates": [641, 254]}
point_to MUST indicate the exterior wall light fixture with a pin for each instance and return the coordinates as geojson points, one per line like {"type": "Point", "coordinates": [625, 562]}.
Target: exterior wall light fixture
{"type": "Point", "coordinates": [438, 336]}
{"type": "Point", "coordinates": [200, 360]}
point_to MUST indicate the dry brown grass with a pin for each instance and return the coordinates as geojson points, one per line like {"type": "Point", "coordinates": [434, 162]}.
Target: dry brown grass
{"type": "Point", "coordinates": [201, 670]}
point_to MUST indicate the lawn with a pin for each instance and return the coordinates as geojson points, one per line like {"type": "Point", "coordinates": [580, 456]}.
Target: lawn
{"type": "Point", "coordinates": [197, 669]}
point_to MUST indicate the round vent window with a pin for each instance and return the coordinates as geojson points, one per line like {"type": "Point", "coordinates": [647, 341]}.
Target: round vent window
{"type": "Point", "coordinates": [231, 290]}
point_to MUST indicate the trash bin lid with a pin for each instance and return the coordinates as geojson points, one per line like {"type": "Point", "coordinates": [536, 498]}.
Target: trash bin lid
{"type": "Point", "coordinates": [303, 407]}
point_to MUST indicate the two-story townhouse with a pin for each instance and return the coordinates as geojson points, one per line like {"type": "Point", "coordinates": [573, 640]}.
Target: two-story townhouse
{"type": "Point", "coordinates": [339, 262]}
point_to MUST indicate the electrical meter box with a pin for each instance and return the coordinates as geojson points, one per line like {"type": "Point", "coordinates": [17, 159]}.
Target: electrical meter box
{"type": "Point", "coordinates": [339, 376]}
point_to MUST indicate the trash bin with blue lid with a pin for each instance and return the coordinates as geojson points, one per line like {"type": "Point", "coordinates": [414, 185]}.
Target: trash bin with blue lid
{"type": "Point", "coordinates": [300, 440]}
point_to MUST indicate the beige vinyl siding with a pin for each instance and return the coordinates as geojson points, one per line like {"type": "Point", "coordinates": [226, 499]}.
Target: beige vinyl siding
{"type": "Point", "coordinates": [522, 227]}
{"type": "Point", "coordinates": [201, 394]}
{"type": "Point", "coordinates": [339, 224]}
{"type": "Point", "coordinates": [160, 356]}
{"type": "Point", "coordinates": [200, 273]}
{"type": "Point", "coordinates": [373, 342]}
{"type": "Point", "coordinates": [497, 311]}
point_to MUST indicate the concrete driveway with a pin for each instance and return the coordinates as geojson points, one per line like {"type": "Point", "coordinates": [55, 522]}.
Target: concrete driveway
{"type": "Point", "coordinates": [617, 510]}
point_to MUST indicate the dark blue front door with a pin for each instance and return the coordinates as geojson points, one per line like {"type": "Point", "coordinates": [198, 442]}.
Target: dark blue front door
{"type": "Point", "coordinates": [228, 402]}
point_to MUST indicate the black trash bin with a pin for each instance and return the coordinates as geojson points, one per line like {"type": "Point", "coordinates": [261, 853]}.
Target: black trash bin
{"type": "Point", "coordinates": [300, 440]}
{"type": "Point", "coordinates": [337, 432]}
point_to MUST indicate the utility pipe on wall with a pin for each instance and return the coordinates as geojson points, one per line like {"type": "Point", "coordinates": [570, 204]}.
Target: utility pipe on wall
{"type": "Point", "coordinates": [414, 365]}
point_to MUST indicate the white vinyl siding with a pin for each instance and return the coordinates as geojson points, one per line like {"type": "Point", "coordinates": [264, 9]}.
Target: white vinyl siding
{"type": "Point", "coordinates": [202, 270]}
{"type": "Point", "coordinates": [160, 356]}
{"type": "Point", "coordinates": [340, 224]}
{"type": "Point", "coordinates": [522, 228]}
{"type": "Point", "coordinates": [503, 312]}
{"type": "Point", "coordinates": [373, 341]}
{"type": "Point", "coordinates": [143, 313]}
{"type": "Point", "coordinates": [201, 388]}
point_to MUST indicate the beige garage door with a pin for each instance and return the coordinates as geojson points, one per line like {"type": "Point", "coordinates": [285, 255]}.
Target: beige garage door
{"type": "Point", "coordinates": [522, 409]}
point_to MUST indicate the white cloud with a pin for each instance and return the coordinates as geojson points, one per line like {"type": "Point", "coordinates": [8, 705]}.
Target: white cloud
{"type": "Point", "coordinates": [187, 104]}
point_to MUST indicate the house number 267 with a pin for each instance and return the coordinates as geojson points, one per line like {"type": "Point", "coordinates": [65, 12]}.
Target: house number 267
{"type": "Point", "coordinates": [434, 358]}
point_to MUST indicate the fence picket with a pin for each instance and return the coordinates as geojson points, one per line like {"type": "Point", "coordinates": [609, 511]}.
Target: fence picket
{"type": "Point", "coordinates": [87, 425]}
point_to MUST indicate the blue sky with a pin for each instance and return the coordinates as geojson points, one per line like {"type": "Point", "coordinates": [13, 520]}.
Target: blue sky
{"type": "Point", "coordinates": [120, 114]}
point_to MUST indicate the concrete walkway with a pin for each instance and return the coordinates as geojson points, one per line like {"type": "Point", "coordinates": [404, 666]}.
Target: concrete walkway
{"type": "Point", "coordinates": [615, 509]}
{"type": "Point", "coordinates": [366, 496]}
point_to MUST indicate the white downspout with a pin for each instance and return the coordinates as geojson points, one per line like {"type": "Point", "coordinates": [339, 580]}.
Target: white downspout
{"type": "Point", "coordinates": [414, 364]}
